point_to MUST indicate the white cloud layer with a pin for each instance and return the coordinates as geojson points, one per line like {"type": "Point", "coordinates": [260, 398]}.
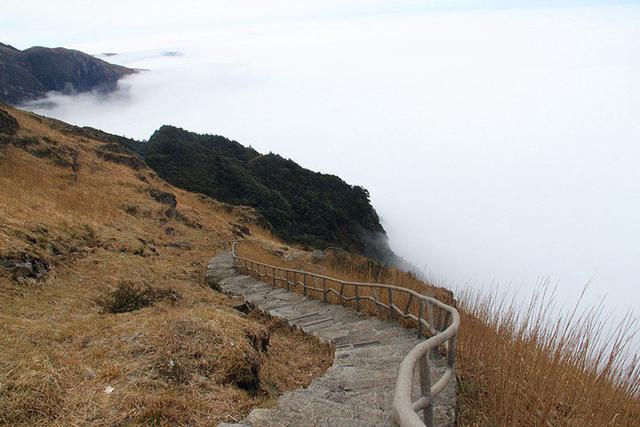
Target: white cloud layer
{"type": "Point", "coordinates": [498, 144]}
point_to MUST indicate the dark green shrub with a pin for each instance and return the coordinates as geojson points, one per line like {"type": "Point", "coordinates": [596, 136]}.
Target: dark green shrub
{"type": "Point", "coordinates": [129, 297]}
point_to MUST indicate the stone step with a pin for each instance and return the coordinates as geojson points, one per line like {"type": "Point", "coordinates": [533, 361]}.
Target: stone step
{"type": "Point", "coordinates": [357, 390]}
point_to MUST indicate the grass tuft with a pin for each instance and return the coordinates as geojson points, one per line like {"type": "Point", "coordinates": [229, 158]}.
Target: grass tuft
{"type": "Point", "coordinates": [129, 297]}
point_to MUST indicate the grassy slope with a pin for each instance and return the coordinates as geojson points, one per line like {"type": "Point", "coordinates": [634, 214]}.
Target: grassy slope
{"type": "Point", "coordinates": [95, 222]}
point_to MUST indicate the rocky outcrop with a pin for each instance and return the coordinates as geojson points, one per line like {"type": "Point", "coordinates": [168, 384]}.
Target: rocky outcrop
{"type": "Point", "coordinates": [163, 197]}
{"type": "Point", "coordinates": [25, 267]}
{"type": "Point", "coordinates": [8, 124]}
{"type": "Point", "coordinates": [116, 153]}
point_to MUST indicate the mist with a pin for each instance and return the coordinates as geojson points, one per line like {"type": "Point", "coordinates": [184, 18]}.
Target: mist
{"type": "Point", "coordinates": [500, 145]}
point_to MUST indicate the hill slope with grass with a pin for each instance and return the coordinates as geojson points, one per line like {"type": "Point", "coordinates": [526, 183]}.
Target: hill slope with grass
{"type": "Point", "coordinates": [299, 205]}
{"type": "Point", "coordinates": [105, 317]}
{"type": "Point", "coordinates": [29, 74]}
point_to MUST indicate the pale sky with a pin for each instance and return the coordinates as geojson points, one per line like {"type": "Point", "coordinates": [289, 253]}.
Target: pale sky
{"type": "Point", "coordinates": [86, 22]}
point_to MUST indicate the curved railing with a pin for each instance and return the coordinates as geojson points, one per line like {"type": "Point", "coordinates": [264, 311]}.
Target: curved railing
{"type": "Point", "coordinates": [412, 307]}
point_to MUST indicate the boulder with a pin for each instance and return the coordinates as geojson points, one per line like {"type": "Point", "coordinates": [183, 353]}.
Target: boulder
{"type": "Point", "coordinates": [163, 197]}
{"type": "Point", "coordinates": [316, 256]}
{"type": "Point", "coordinates": [23, 267]}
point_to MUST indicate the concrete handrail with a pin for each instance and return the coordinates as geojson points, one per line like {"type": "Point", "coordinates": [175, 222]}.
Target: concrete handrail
{"type": "Point", "coordinates": [405, 408]}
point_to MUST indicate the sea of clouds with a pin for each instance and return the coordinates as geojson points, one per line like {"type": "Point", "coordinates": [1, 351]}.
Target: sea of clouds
{"type": "Point", "coordinates": [501, 146]}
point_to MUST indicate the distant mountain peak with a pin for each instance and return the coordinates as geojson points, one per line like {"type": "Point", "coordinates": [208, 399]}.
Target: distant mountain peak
{"type": "Point", "coordinates": [8, 46]}
{"type": "Point", "coordinates": [31, 73]}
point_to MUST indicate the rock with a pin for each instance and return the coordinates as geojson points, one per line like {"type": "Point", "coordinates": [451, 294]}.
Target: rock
{"type": "Point", "coordinates": [316, 256]}
{"type": "Point", "coordinates": [130, 209]}
{"type": "Point", "coordinates": [163, 197]}
{"type": "Point", "coordinates": [259, 340]}
{"type": "Point", "coordinates": [240, 230]}
{"type": "Point", "coordinates": [245, 373]}
{"type": "Point", "coordinates": [89, 373]}
{"type": "Point", "coordinates": [179, 245]}
{"type": "Point", "coordinates": [60, 156]}
{"type": "Point", "coordinates": [113, 153]}
{"type": "Point", "coordinates": [150, 246]}
{"type": "Point", "coordinates": [186, 220]}
{"type": "Point", "coordinates": [25, 267]}
{"type": "Point", "coordinates": [245, 307]}
{"type": "Point", "coordinates": [212, 280]}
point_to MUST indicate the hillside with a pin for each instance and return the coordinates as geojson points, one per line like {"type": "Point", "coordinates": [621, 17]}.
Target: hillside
{"type": "Point", "coordinates": [299, 205]}
{"type": "Point", "coordinates": [105, 317]}
{"type": "Point", "coordinates": [31, 73]}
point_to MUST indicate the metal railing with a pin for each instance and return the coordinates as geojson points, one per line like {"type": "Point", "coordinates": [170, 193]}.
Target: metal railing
{"type": "Point", "coordinates": [405, 408]}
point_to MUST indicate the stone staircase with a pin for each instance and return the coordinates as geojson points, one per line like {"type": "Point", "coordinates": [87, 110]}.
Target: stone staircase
{"type": "Point", "coordinates": [357, 390]}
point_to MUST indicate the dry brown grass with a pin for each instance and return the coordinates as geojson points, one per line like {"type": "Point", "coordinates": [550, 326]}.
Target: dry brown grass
{"type": "Point", "coordinates": [574, 368]}
{"type": "Point", "coordinates": [517, 365]}
{"type": "Point", "coordinates": [345, 266]}
{"type": "Point", "coordinates": [188, 360]}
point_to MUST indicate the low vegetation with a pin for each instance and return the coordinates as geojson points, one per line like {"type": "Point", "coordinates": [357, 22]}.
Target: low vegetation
{"type": "Point", "coordinates": [518, 365]}
{"type": "Point", "coordinates": [105, 318]}
{"type": "Point", "coordinates": [299, 205]}
{"type": "Point", "coordinates": [130, 297]}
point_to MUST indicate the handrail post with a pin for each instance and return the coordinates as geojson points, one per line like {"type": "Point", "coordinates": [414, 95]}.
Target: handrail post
{"type": "Point", "coordinates": [357, 299]}
{"type": "Point", "coordinates": [420, 317]}
{"type": "Point", "coordinates": [451, 355]}
{"type": "Point", "coordinates": [273, 271]}
{"type": "Point", "coordinates": [304, 284]}
{"type": "Point", "coordinates": [390, 301]}
{"type": "Point", "coordinates": [425, 390]}
{"type": "Point", "coordinates": [324, 290]}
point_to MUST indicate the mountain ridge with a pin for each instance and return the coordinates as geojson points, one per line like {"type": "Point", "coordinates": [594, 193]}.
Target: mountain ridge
{"type": "Point", "coordinates": [300, 205]}
{"type": "Point", "coordinates": [27, 75]}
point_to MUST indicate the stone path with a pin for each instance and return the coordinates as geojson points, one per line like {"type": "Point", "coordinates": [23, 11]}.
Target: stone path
{"type": "Point", "coordinates": [357, 390]}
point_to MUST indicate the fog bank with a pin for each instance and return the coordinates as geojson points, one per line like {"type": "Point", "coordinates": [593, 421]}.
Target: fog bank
{"type": "Point", "coordinates": [499, 145]}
